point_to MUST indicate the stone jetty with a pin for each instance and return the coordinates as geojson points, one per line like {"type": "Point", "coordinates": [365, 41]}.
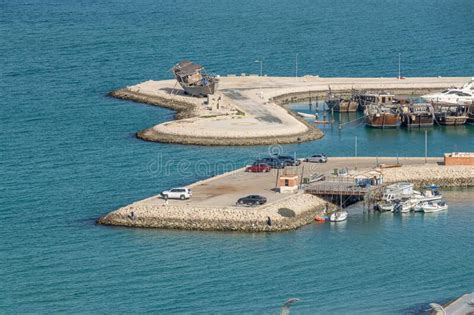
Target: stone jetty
{"type": "Point", "coordinates": [287, 214]}
{"type": "Point", "coordinates": [421, 175]}
{"type": "Point", "coordinates": [250, 110]}
{"type": "Point", "coordinates": [212, 206]}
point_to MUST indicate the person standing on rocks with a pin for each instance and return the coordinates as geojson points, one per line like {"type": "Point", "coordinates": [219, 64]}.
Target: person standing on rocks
{"type": "Point", "coordinates": [269, 221]}
{"type": "Point", "coordinates": [166, 200]}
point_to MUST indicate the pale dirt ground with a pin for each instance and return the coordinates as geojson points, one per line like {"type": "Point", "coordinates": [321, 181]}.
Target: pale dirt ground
{"type": "Point", "coordinates": [225, 190]}
{"type": "Point", "coordinates": [251, 95]}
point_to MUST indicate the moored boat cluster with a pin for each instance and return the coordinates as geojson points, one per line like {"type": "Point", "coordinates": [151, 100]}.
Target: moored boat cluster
{"type": "Point", "coordinates": [402, 198]}
{"type": "Point", "coordinates": [450, 107]}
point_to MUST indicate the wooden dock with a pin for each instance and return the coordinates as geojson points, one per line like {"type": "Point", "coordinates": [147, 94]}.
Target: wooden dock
{"type": "Point", "coordinates": [344, 191]}
{"type": "Point", "coordinates": [326, 188]}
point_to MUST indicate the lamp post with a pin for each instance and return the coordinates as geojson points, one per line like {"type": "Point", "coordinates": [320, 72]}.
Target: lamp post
{"type": "Point", "coordinates": [355, 151]}
{"type": "Point", "coordinates": [426, 146]}
{"type": "Point", "coordinates": [399, 68]}
{"type": "Point", "coordinates": [261, 66]}
{"type": "Point", "coordinates": [296, 66]}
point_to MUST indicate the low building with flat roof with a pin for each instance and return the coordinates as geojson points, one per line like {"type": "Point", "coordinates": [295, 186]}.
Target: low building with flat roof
{"type": "Point", "coordinates": [459, 158]}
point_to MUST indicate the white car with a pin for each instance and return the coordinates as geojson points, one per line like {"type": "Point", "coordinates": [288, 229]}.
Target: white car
{"type": "Point", "coordinates": [177, 193]}
{"type": "Point", "coordinates": [317, 158]}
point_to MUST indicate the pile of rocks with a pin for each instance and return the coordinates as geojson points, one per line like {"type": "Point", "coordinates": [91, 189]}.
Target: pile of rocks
{"type": "Point", "coordinates": [259, 219]}
{"type": "Point", "coordinates": [447, 176]}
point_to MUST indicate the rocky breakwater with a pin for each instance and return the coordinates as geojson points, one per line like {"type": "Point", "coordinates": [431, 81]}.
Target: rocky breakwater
{"type": "Point", "coordinates": [231, 118]}
{"type": "Point", "coordinates": [286, 214]}
{"type": "Point", "coordinates": [446, 176]}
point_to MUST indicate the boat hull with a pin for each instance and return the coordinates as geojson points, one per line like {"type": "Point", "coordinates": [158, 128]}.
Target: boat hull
{"type": "Point", "coordinates": [383, 121]}
{"type": "Point", "coordinates": [470, 118]}
{"type": "Point", "coordinates": [332, 103]}
{"type": "Point", "coordinates": [338, 216]}
{"type": "Point", "coordinates": [417, 121]}
{"type": "Point", "coordinates": [203, 90]}
{"type": "Point", "coordinates": [346, 107]}
{"type": "Point", "coordinates": [451, 120]}
{"type": "Point", "coordinates": [434, 209]}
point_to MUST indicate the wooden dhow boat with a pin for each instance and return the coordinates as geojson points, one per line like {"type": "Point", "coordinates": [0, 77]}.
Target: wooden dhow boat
{"type": "Point", "coordinates": [193, 79]}
{"type": "Point", "coordinates": [382, 116]}
{"type": "Point", "coordinates": [417, 115]}
{"type": "Point", "coordinates": [365, 99]}
{"type": "Point", "coordinates": [451, 115]}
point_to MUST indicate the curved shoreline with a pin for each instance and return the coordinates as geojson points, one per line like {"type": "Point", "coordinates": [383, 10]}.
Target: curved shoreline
{"type": "Point", "coordinates": [151, 135]}
{"type": "Point", "coordinates": [187, 110]}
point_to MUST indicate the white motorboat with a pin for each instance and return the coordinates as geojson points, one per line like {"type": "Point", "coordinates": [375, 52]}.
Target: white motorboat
{"type": "Point", "coordinates": [430, 194]}
{"type": "Point", "coordinates": [398, 191]}
{"type": "Point", "coordinates": [305, 115]}
{"type": "Point", "coordinates": [385, 206]}
{"type": "Point", "coordinates": [338, 216]}
{"type": "Point", "coordinates": [404, 206]}
{"type": "Point", "coordinates": [434, 206]}
{"type": "Point", "coordinates": [418, 207]}
{"type": "Point", "coordinates": [455, 96]}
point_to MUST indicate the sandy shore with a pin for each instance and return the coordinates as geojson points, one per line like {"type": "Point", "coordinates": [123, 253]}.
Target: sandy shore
{"type": "Point", "coordinates": [250, 110]}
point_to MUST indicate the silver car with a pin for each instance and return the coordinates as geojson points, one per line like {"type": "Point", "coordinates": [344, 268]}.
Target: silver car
{"type": "Point", "coordinates": [317, 158]}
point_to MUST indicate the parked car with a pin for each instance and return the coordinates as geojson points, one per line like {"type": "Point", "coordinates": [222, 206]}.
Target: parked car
{"type": "Point", "coordinates": [259, 168]}
{"type": "Point", "coordinates": [252, 200]}
{"type": "Point", "coordinates": [317, 158]}
{"type": "Point", "coordinates": [177, 193]}
{"type": "Point", "coordinates": [289, 160]}
{"type": "Point", "coordinates": [273, 162]}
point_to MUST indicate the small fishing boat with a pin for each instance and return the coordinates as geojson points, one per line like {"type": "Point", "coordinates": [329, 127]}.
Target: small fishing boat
{"type": "Point", "coordinates": [451, 115]}
{"type": "Point", "coordinates": [382, 116]}
{"type": "Point", "coordinates": [404, 206]}
{"type": "Point", "coordinates": [434, 206]}
{"type": "Point", "coordinates": [305, 115]}
{"type": "Point", "coordinates": [397, 191]}
{"type": "Point", "coordinates": [431, 193]}
{"type": "Point", "coordinates": [365, 99]}
{"type": "Point", "coordinates": [417, 115]}
{"type": "Point", "coordinates": [385, 206]}
{"type": "Point", "coordinates": [338, 216]}
{"type": "Point", "coordinates": [470, 114]}
{"type": "Point", "coordinates": [346, 106]}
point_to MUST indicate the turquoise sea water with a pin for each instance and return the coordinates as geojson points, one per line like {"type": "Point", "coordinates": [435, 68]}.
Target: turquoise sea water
{"type": "Point", "coordinates": [68, 155]}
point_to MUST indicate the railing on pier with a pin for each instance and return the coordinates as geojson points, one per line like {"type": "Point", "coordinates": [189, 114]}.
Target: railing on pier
{"type": "Point", "coordinates": [336, 189]}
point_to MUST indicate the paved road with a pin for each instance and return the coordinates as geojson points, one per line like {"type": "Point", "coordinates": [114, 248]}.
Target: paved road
{"type": "Point", "coordinates": [251, 107]}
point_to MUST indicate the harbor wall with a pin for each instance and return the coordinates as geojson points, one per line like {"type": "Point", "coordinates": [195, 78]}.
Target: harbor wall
{"type": "Point", "coordinates": [286, 214]}
{"type": "Point", "coordinates": [306, 96]}
{"type": "Point", "coordinates": [183, 109]}
{"type": "Point", "coordinates": [150, 134]}
{"type": "Point", "coordinates": [422, 175]}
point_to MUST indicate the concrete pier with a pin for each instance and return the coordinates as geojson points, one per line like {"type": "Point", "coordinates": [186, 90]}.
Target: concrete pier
{"type": "Point", "coordinates": [248, 110]}
{"type": "Point", "coordinates": [213, 204]}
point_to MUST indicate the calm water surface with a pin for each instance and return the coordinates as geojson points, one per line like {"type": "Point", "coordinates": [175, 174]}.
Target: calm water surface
{"type": "Point", "coordinates": [68, 155]}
